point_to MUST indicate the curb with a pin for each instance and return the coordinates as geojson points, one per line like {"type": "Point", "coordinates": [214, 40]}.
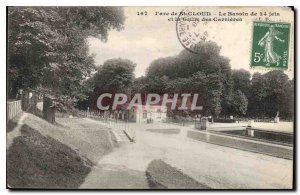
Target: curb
{"type": "Point", "coordinates": [275, 150]}
{"type": "Point", "coordinates": [128, 136]}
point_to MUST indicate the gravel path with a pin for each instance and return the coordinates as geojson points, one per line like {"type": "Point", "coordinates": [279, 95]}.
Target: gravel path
{"type": "Point", "coordinates": [10, 136]}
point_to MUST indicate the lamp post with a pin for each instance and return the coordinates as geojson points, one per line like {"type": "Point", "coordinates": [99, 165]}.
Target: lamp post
{"type": "Point", "coordinates": [116, 116]}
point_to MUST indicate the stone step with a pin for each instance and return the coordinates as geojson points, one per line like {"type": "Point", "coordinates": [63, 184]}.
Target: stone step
{"type": "Point", "coordinates": [121, 136]}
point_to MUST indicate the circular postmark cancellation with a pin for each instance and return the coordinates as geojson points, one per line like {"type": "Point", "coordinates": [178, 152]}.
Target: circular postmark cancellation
{"type": "Point", "coordinates": [189, 28]}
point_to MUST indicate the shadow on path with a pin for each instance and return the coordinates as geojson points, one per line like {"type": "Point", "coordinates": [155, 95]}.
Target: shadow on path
{"type": "Point", "coordinates": [161, 175]}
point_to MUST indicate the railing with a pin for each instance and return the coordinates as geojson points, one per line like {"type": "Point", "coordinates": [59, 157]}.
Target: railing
{"type": "Point", "coordinates": [13, 108]}
{"type": "Point", "coordinates": [114, 124]}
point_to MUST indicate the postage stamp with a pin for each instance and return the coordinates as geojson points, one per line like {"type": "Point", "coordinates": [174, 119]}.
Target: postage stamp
{"type": "Point", "coordinates": [270, 45]}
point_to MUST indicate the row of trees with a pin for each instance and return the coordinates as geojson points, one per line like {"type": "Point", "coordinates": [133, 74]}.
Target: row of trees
{"type": "Point", "coordinates": [223, 92]}
{"type": "Point", "coordinates": [271, 93]}
{"type": "Point", "coordinates": [48, 51]}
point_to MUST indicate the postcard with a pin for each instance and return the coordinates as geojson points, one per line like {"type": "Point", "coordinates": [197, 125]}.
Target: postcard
{"type": "Point", "coordinates": [150, 98]}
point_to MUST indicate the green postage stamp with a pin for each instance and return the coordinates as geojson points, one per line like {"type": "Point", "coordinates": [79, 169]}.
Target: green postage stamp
{"type": "Point", "coordinates": [270, 45]}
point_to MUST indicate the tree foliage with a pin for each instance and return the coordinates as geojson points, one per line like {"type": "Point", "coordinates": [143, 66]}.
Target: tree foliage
{"type": "Point", "coordinates": [240, 103]}
{"type": "Point", "coordinates": [114, 75]}
{"type": "Point", "coordinates": [241, 80]}
{"type": "Point", "coordinates": [47, 48]}
{"type": "Point", "coordinates": [206, 73]}
{"type": "Point", "coordinates": [223, 91]}
{"type": "Point", "coordinates": [271, 92]}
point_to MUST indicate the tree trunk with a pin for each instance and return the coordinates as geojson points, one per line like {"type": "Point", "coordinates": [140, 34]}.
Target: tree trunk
{"type": "Point", "coordinates": [33, 103]}
{"type": "Point", "coordinates": [49, 112]}
{"type": "Point", "coordinates": [25, 100]}
{"type": "Point", "coordinates": [12, 91]}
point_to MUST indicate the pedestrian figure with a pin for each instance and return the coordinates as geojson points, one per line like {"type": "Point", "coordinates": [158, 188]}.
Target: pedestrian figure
{"type": "Point", "coordinates": [267, 41]}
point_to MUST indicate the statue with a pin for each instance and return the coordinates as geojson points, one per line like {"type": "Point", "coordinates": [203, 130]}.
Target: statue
{"type": "Point", "coordinates": [276, 119]}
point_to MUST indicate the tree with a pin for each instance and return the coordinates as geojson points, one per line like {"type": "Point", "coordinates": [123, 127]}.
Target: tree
{"type": "Point", "coordinates": [241, 81]}
{"type": "Point", "coordinates": [277, 81]}
{"type": "Point", "coordinates": [139, 85]}
{"type": "Point", "coordinates": [214, 89]}
{"type": "Point", "coordinates": [114, 76]}
{"type": "Point", "coordinates": [271, 92]}
{"type": "Point", "coordinates": [185, 64]}
{"type": "Point", "coordinates": [287, 106]}
{"type": "Point", "coordinates": [48, 52]}
{"type": "Point", "coordinates": [206, 73]}
{"type": "Point", "coordinates": [240, 103]}
{"type": "Point", "coordinates": [156, 84]}
{"type": "Point", "coordinates": [258, 95]}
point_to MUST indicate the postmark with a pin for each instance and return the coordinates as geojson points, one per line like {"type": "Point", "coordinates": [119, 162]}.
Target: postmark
{"type": "Point", "coordinates": [189, 29]}
{"type": "Point", "coordinates": [270, 45]}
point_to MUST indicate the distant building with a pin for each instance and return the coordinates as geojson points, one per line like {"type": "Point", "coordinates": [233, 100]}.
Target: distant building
{"type": "Point", "coordinates": [140, 114]}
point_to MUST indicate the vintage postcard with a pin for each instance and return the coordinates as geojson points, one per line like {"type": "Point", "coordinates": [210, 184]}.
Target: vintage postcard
{"type": "Point", "coordinates": [150, 98]}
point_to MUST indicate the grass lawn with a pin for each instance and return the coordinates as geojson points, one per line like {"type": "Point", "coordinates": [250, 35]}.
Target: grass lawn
{"type": "Point", "coordinates": [45, 155]}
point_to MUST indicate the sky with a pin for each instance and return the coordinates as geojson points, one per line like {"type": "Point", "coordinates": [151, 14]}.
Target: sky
{"type": "Point", "coordinates": [146, 38]}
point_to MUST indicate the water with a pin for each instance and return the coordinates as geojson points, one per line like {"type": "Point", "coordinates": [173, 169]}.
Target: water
{"type": "Point", "coordinates": [270, 136]}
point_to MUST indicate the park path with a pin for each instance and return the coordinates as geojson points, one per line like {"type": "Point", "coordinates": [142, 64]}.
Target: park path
{"type": "Point", "coordinates": [10, 136]}
{"type": "Point", "coordinates": [212, 165]}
